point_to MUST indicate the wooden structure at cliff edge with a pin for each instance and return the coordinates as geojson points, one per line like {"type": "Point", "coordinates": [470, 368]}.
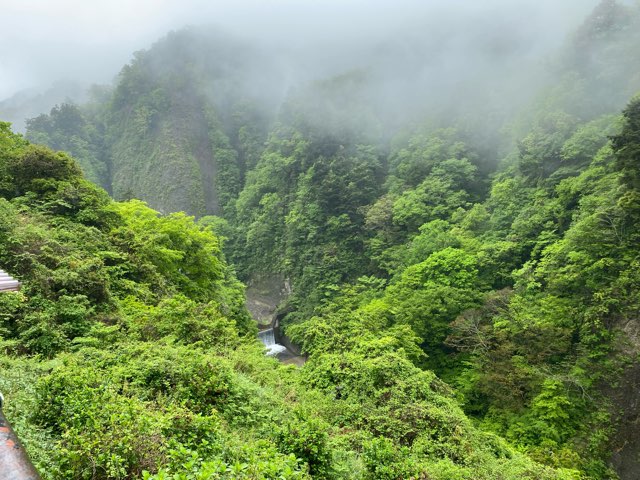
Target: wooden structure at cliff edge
{"type": "Point", "coordinates": [8, 283]}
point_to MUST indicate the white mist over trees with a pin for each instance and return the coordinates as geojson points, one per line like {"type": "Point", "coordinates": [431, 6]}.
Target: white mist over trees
{"type": "Point", "coordinates": [437, 202]}
{"type": "Point", "coordinates": [88, 42]}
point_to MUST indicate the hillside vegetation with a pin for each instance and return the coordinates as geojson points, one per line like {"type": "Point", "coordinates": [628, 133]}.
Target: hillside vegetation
{"type": "Point", "coordinates": [129, 354]}
{"type": "Point", "coordinates": [464, 280]}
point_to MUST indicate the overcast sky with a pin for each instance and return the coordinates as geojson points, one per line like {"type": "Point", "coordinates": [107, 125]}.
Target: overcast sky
{"type": "Point", "coordinates": [90, 40]}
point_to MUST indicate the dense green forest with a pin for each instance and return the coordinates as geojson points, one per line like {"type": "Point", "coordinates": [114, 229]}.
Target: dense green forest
{"type": "Point", "coordinates": [462, 276]}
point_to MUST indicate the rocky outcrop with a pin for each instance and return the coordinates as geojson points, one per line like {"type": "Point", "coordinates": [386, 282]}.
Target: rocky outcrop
{"type": "Point", "coordinates": [625, 398]}
{"type": "Point", "coordinates": [264, 293]}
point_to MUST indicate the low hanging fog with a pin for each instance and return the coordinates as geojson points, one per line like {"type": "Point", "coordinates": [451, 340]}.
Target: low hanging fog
{"type": "Point", "coordinates": [69, 44]}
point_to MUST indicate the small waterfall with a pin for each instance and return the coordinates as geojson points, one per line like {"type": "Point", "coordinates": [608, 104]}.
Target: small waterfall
{"type": "Point", "coordinates": [268, 338]}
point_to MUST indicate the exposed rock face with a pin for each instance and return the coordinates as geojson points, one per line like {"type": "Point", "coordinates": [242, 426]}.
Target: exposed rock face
{"type": "Point", "coordinates": [264, 293]}
{"type": "Point", "coordinates": [626, 408]}
{"type": "Point", "coordinates": [626, 447]}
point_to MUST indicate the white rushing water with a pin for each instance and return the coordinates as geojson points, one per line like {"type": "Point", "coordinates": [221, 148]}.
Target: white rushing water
{"type": "Point", "coordinates": [268, 338]}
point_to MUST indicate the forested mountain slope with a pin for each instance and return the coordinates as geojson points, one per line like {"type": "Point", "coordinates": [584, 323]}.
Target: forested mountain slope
{"type": "Point", "coordinates": [129, 354]}
{"type": "Point", "coordinates": [177, 129]}
{"type": "Point", "coordinates": [477, 255]}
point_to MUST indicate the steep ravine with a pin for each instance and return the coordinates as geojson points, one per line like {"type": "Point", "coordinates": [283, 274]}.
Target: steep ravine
{"type": "Point", "coordinates": [264, 293]}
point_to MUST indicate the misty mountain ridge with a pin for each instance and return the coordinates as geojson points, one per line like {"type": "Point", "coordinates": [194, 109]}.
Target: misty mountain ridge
{"type": "Point", "coordinates": [493, 71]}
{"type": "Point", "coordinates": [32, 102]}
{"type": "Point", "coordinates": [442, 211]}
